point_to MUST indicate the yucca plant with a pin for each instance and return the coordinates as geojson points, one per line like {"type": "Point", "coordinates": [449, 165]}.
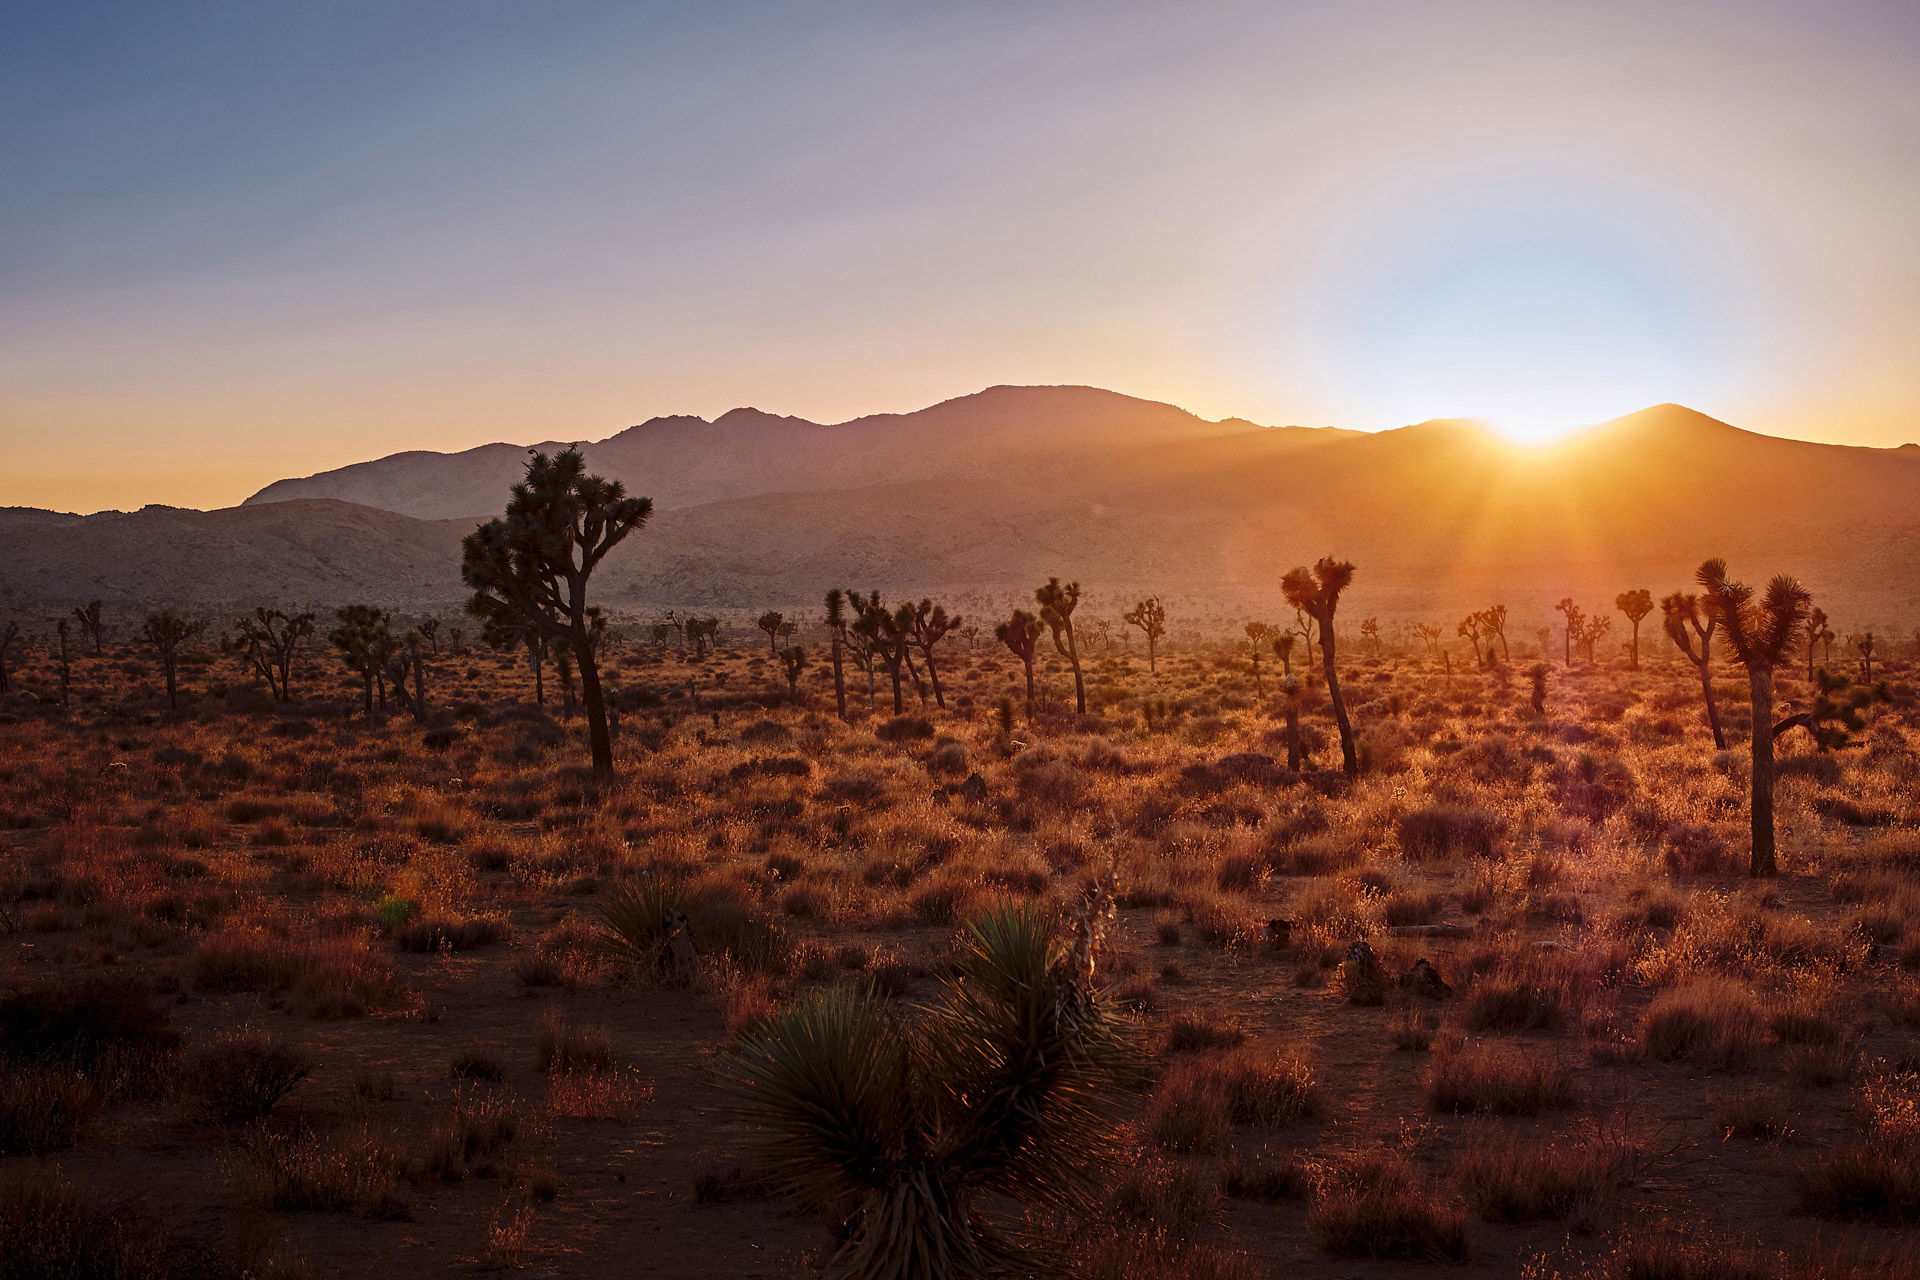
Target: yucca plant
{"type": "Point", "coordinates": [916, 1131]}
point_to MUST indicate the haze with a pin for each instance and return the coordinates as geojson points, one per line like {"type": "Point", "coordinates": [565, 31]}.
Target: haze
{"type": "Point", "coordinates": [243, 241]}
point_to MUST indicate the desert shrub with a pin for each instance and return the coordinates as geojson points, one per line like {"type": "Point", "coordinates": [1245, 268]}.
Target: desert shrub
{"type": "Point", "coordinates": [1509, 1180]}
{"type": "Point", "coordinates": [1175, 1200]}
{"type": "Point", "coordinates": [49, 1229]}
{"type": "Point", "coordinates": [466, 1138]}
{"type": "Point", "coordinates": [1715, 1020]}
{"type": "Point", "coordinates": [1379, 1209]}
{"type": "Point", "coordinates": [81, 1021]}
{"type": "Point", "coordinates": [299, 1171]}
{"type": "Point", "coordinates": [243, 1076]}
{"type": "Point", "coordinates": [1498, 1079]}
{"type": "Point", "coordinates": [1446, 830]}
{"type": "Point", "coordinates": [1268, 1177]}
{"type": "Point", "coordinates": [44, 1109]}
{"type": "Point", "coordinates": [904, 729]}
{"type": "Point", "coordinates": [449, 933]}
{"type": "Point", "coordinates": [1872, 1179]}
{"type": "Point", "coordinates": [720, 920]}
{"type": "Point", "coordinates": [1190, 1033]}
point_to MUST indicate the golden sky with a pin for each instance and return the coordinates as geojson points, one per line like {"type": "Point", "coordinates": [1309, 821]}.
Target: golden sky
{"type": "Point", "coordinates": [243, 241]}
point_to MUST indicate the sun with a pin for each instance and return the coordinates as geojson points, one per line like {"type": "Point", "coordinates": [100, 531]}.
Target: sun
{"type": "Point", "coordinates": [1534, 431]}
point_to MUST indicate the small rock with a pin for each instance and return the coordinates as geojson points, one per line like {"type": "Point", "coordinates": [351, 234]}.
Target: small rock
{"type": "Point", "coordinates": [1362, 975]}
{"type": "Point", "coordinates": [1424, 980]}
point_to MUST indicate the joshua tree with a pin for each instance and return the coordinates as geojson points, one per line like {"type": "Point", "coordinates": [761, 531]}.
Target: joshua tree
{"type": "Point", "coordinates": [1470, 628]}
{"type": "Point", "coordinates": [1636, 605]}
{"type": "Point", "coordinates": [793, 661]}
{"type": "Point", "coordinates": [1151, 618]}
{"type": "Point", "coordinates": [1690, 626]}
{"type": "Point", "coordinates": [1021, 633]}
{"type": "Point", "coordinates": [1571, 611]}
{"type": "Point", "coordinates": [406, 662]}
{"type": "Point", "coordinates": [1538, 674]}
{"type": "Point", "coordinates": [929, 625]}
{"type": "Point", "coordinates": [1303, 627]}
{"type": "Point", "coordinates": [367, 644]}
{"type": "Point", "coordinates": [1370, 628]}
{"type": "Point", "coordinates": [1863, 643]}
{"type": "Point", "coordinates": [429, 630]}
{"type": "Point", "coordinates": [1316, 593]}
{"type": "Point", "coordinates": [1283, 642]}
{"type": "Point", "coordinates": [1761, 633]}
{"type": "Point", "coordinates": [8, 634]}
{"type": "Point", "coordinates": [1057, 604]}
{"type": "Point", "coordinates": [1258, 633]}
{"type": "Point", "coordinates": [1545, 636]}
{"type": "Point", "coordinates": [771, 622]}
{"type": "Point", "coordinates": [93, 622]}
{"type": "Point", "coordinates": [533, 565]}
{"type": "Point", "coordinates": [921, 1132]}
{"type": "Point", "coordinates": [836, 637]}
{"type": "Point", "coordinates": [1429, 636]}
{"type": "Point", "coordinates": [265, 642]}
{"type": "Point", "coordinates": [505, 634]}
{"type": "Point", "coordinates": [885, 632]}
{"type": "Point", "coordinates": [1292, 694]}
{"type": "Point", "coordinates": [1591, 630]}
{"type": "Point", "coordinates": [166, 631]}
{"type": "Point", "coordinates": [703, 634]}
{"type": "Point", "coordinates": [1493, 624]}
{"type": "Point", "coordinates": [1816, 628]}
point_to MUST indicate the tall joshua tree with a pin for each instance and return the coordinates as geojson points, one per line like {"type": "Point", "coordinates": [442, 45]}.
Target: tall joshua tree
{"type": "Point", "coordinates": [1021, 634]}
{"type": "Point", "coordinates": [166, 631]}
{"type": "Point", "coordinates": [1591, 630]}
{"type": "Point", "coordinates": [771, 622]}
{"type": "Point", "coordinates": [534, 564]}
{"type": "Point", "coordinates": [1151, 618]}
{"type": "Point", "coordinates": [92, 620]}
{"type": "Point", "coordinates": [836, 636]}
{"type": "Point", "coordinates": [1636, 604]}
{"type": "Point", "coordinates": [506, 635]}
{"type": "Point", "coordinates": [1057, 604]}
{"type": "Point", "coordinates": [1258, 634]}
{"type": "Point", "coordinates": [1691, 629]}
{"type": "Point", "coordinates": [367, 644]}
{"type": "Point", "coordinates": [266, 643]}
{"type": "Point", "coordinates": [1283, 642]}
{"type": "Point", "coordinates": [1573, 614]}
{"type": "Point", "coordinates": [793, 662]}
{"type": "Point", "coordinates": [1316, 593]}
{"type": "Point", "coordinates": [1762, 633]}
{"type": "Point", "coordinates": [1863, 643]}
{"type": "Point", "coordinates": [1470, 629]}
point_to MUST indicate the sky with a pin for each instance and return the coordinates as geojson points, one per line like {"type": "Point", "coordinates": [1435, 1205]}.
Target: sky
{"type": "Point", "coordinates": [240, 241]}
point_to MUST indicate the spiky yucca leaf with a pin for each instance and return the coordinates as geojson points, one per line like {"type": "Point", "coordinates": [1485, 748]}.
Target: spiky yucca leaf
{"type": "Point", "coordinates": [826, 1082]}
{"type": "Point", "coordinates": [635, 913]}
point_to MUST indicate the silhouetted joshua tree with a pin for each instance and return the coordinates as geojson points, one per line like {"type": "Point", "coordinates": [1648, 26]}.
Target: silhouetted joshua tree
{"type": "Point", "coordinates": [534, 564]}
{"type": "Point", "coordinates": [770, 622]}
{"type": "Point", "coordinates": [1834, 716]}
{"type": "Point", "coordinates": [367, 644]}
{"type": "Point", "coordinates": [1816, 627]}
{"type": "Point", "coordinates": [1863, 644]}
{"type": "Point", "coordinates": [1691, 629]}
{"type": "Point", "coordinates": [1316, 593]}
{"type": "Point", "coordinates": [929, 626]}
{"type": "Point", "coordinates": [1293, 693]}
{"type": "Point", "coordinates": [1470, 629]}
{"type": "Point", "coordinates": [1636, 604]}
{"type": "Point", "coordinates": [166, 631]}
{"type": "Point", "coordinates": [1283, 642]}
{"type": "Point", "coordinates": [505, 635]}
{"type": "Point", "coordinates": [1258, 634]}
{"type": "Point", "coordinates": [1057, 604]}
{"type": "Point", "coordinates": [1429, 636]}
{"type": "Point", "coordinates": [1021, 633]}
{"type": "Point", "coordinates": [1493, 623]}
{"type": "Point", "coordinates": [1370, 630]}
{"type": "Point", "coordinates": [1537, 673]}
{"type": "Point", "coordinates": [405, 663]}
{"type": "Point", "coordinates": [793, 661]}
{"type": "Point", "coordinates": [429, 630]}
{"type": "Point", "coordinates": [1591, 630]}
{"type": "Point", "coordinates": [266, 643]}
{"type": "Point", "coordinates": [1762, 634]}
{"type": "Point", "coordinates": [836, 620]}
{"type": "Point", "coordinates": [8, 634]}
{"type": "Point", "coordinates": [1573, 614]}
{"type": "Point", "coordinates": [92, 620]}
{"type": "Point", "coordinates": [1151, 618]}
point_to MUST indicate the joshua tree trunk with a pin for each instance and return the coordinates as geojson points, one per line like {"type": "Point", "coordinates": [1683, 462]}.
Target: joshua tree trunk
{"type": "Point", "coordinates": [1634, 661]}
{"type": "Point", "coordinates": [933, 678]}
{"type": "Point", "coordinates": [1713, 708]}
{"type": "Point", "coordinates": [1349, 761]}
{"type": "Point", "coordinates": [1027, 663]}
{"type": "Point", "coordinates": [1295, 753]}
{"type": "Point", "coordinates": [599, 738]}
{"type": "Point", "coordinates": [1153, 666]}
{"type": "Point", "coordinates": [893, 669]}
{"type": "Point", "coordinates": [839, 677]}
{"type": "Point", "coordinates": [1760, 683]}
{"type": "Point", "coordinates": [1079, 681]}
